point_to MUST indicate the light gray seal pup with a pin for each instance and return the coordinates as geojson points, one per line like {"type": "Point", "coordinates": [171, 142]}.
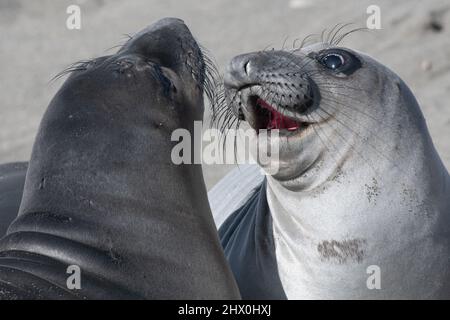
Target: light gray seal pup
{"type": "Point", "coordinates": [102, 192]}
{"type": "Point", "coordinates": [360, 205]}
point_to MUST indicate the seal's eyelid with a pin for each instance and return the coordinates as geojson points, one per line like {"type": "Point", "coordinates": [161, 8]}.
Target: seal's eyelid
{"type": "Point", "coordinates": [164, 80]}
{"type": "Point", "coordinates": [348, 55]}
{"type": "Point", "coordinates": [350, 62]}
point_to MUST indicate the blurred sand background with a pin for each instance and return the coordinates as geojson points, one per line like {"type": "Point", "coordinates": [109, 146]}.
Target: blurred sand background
{"type": "Point", "coordinates": [35, 45]}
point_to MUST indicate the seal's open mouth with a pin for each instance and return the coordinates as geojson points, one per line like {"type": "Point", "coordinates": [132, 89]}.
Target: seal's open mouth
{"type": "Point", "coordinates": [268, 117]}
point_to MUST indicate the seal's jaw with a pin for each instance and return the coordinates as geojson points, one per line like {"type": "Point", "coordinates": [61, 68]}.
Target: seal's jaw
{"type": "Point", "coordinates": [263, 113]}
{"type": "Point", "coordinates": [269, 98]}
{"type": "Point", "coordinates": [269, 117]}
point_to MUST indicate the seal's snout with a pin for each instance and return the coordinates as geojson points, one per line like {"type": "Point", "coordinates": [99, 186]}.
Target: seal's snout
{"type": "Point", "coordinates": [165, 42]}
{"type": "Point", "coordinates": [168, 44]}
{"type": "Point", "coordinates": [169, 21]}
{"type": "Point", "coordinates": [262, 89]}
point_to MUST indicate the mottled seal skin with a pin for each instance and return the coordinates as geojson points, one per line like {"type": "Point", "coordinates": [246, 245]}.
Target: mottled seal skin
{"type": "Point", "coordinates": [102, 193]}
{"type": "Point", "coordinates": [359, 181]}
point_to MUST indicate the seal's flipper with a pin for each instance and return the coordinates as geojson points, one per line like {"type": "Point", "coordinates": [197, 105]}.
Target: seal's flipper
{"type": "Point", "coordinates": [12, 179]}
{"type": "Point", "coordinates": [247, 239]}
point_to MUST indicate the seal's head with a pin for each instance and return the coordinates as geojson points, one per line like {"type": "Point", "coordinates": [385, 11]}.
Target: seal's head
{"type": "Point", "coordinates": [162, 63]}
{"type": "Point", "coordinates": [359, 181]}
{"type": "Point", "coordinates": [105, 113]}
{"type": "Point", "coordinates": [326, 101]}
{"type": "Point", "coordinates": [155, 82]}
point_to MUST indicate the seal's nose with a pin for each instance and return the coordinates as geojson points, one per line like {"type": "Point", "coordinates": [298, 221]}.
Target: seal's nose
{"type": "Point", "coordinates": [162, 41]}
{"type": "Point", "coordinates": [240, 71]}
{"type": "Point", "coordinates": [164, 30]}
{"type": "Point", "coordinates": [165, 23]}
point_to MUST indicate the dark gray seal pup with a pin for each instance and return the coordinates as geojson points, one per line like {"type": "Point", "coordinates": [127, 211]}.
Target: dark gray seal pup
{"type": "Point", "coordinates": [359, 207]}
{"type": "Point", "coordinates": [102, 193]}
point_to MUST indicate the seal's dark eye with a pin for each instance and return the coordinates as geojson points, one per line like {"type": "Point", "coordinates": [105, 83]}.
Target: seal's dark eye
{"type": "Point", "coordinates": [338, 61]}
{"type": "Point", "coordinates": [333, 61]}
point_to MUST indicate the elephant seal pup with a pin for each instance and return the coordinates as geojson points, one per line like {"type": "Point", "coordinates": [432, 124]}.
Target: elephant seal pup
{"type": "Point", "coordinates": [102, 193]}
{"type": "Point", "coordinates": [360, 204]}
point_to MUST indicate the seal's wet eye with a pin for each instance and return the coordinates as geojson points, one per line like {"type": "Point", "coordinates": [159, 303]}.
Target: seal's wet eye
{"type": "Point", "coordinates": [339, 61]}
{"type": "Point", "coordinates": [333, 61]}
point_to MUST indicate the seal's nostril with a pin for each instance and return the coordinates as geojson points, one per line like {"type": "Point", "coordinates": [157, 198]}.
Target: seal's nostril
{"type": "Point", "coordinates": [247, 67]}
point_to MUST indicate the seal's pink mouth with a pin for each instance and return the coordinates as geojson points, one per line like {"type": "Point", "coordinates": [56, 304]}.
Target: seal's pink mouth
{"type": "Point", "coordinates": [272, 119]}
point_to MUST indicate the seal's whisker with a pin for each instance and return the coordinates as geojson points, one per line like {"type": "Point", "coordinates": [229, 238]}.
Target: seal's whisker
{"type": "Point", "coordinates": [364, 140]}
{"type": "Point", "coordinates": [73, 67]}
{"type": "Point", "coordinates": [222, 114]}
{"type": "Point", "coordinates": [342, 95]}
{"type": "Point", "coordinates": [334, 116]}
{"type": "Point", "coordinates": [222, 139]}
{"type": "Point", "coordinates": [342, 26]}
{"type": "Point", "coordinates": [337, 25]}
{"type": "Point", "coordinates": [341, 104]}
{"type": "Point", "coordinates": [224, 117]}
{"type": "Point", "coordinates": [339, 40]}
{"type": "Point", "coordinates": [219, 114]}
{"type": "Point", "coordinates": [372, 133]}
{"type": "Point", "coordinates": [300, 68]}
{"type": "Point", "coordinates": [345, 140]}
{"type": "Point", "coordinates": [293, 44]}
{"type": "Point", "coordinates": [230, 124]}
{"type": "Point", "coordinates": [120, 45]}
{"type": "Point", "coordinates": [267, 47]}
{"type": "Point", "coordinates": [220, 108]}
{"type": "Point", "coordinates": [328, 85]}
{"type": "Point", "coordinates": [235, 142]}
{"type": "Point", "coordinates": [284, 43]}
{"type": "Point", "coordinates": [128, 36]}
{"type": "Point", "coordinates": [336, 149]}
{"type": "Point", "coordinates": [229, 121]}
{"type": "Point", "coordinates": [322, 35]}
{"type": "Point", "coordinates": [212, 78]}
{"type": "Point", "coordinates": [235, 149]}
{"type": "Point", "coordinates": [114, 47]}
{"type": "Point", "coordinates": [369, 116]}
{"type": "Point", "coordinates": [317, 130]}
{"type": "Point", "coordinates": [305, 40]}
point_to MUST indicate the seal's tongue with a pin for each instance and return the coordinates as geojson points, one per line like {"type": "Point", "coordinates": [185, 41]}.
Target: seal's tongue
{"type": "Point", "coordinates": [277, 120]}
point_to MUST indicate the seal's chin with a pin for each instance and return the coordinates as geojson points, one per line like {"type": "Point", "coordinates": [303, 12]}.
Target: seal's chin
{"type": "Point", "coordinates": [266, 116]}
